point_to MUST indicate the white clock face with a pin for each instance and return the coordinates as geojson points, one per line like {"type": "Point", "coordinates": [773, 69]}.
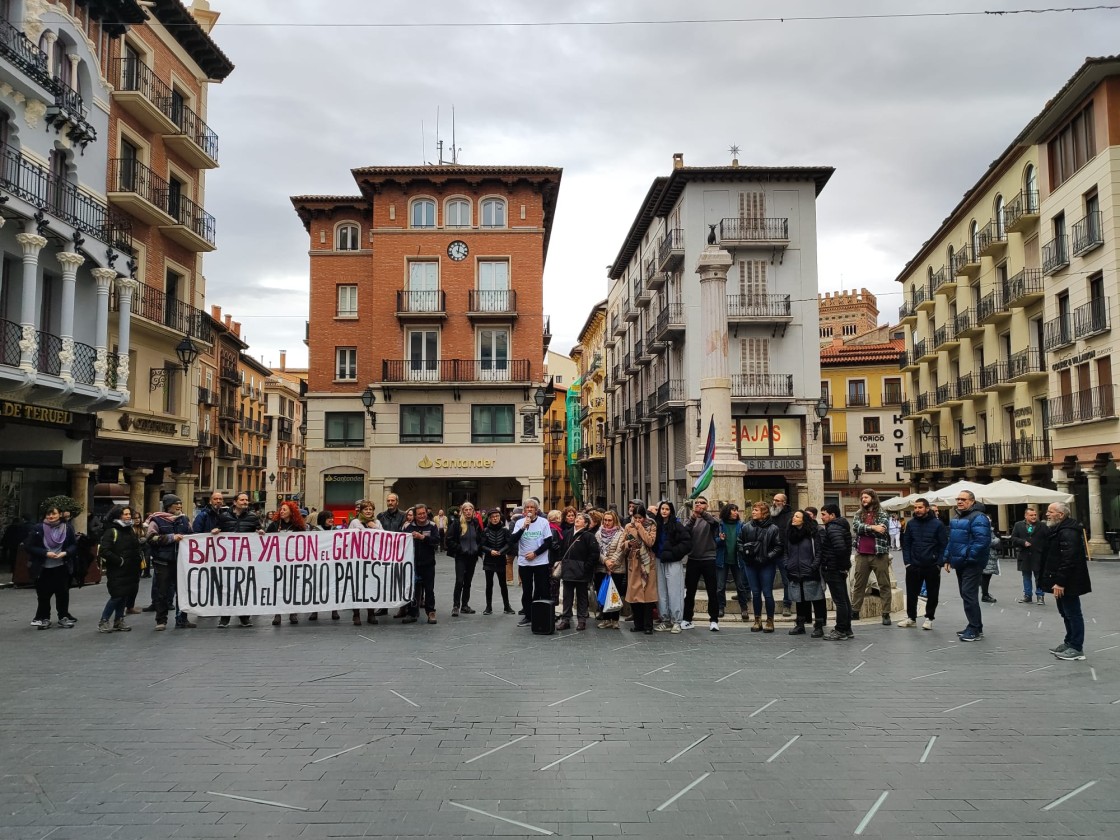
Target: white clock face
{"type": "Point", "coordinates": [457, 250]}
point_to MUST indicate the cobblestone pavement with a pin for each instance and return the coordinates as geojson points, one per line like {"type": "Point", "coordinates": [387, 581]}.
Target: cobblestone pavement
{"type": "Point", "coordinates": [474, 727]}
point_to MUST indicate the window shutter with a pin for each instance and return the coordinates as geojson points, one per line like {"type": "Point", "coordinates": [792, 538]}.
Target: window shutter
{"type": "Point", "coordinates": [754, 355]}
{"type": "Point", "coordinates": [752, 205]}
{"type": "Point", "coordinates": [752, 278]}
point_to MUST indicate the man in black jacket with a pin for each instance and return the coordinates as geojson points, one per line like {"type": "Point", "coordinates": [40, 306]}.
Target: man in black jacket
{"type": "Point", "coordinates": [239, 520]}
{"type": "Point", "coordinates": [1065, 572]}
{"type": "Point", "coordinates": [392, 518]}
{"type": "Point", "coordinates": [836, 560]}
{"type": "Point", "coordinates": [425, 535]}
{"type": "Point", "coordinates": [923, 545]}
{"type": "Point", "coordinates": [1029, 537]}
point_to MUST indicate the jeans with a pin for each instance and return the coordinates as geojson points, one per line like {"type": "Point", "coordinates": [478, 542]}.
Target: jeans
{"type": "Point", "coordinates": [968, 581]}
{"type": "Point", "coordinates": [115, 607]}
{"type": "Point", "coordinates": [837, 583]}
{"type": "Point", "coordinates": [761, 581]}
{"type": "Point", "coordinates": [742, 590]}
{"type": "Point", "coordinates": [918, 577]}
{"type": "Point", "coordinates": [54, 582]}
{"type": "Point", "coordinates": [880, 564]}
{"type": "Point", "coordinates": [577, 588]}
{"type": "Point", "coordinates": [464, 574]}
{"type": "Point", "coordinates": [670, 592]}
{"type": "Point", "coordinates": [701, 568]}
{"type": "Point", "coordinates": [165, 579]}
{"type": "Point", "coordinates": [425, 595]}
{"type": "Point", "coordinates": [534, 585]}
{"type": "Point", "coordinates": [1030, 578]}
{"type": "Point", "coordinates": [1069, 608]}
{"type": "Point", "coordinates": [501, 576]}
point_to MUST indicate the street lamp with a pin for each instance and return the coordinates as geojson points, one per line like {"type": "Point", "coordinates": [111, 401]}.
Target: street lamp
{"type": "Point", "coordinates": [926, 427]}
{"type": "Point", "coordinates": [187, 353]}
{"type": "Point", "coordinates": [368, 399]}
{"type": "Point", "coordinates": [544, 397]}
{"type": "Point", "coordinates": [821, 410]}
{"type": "Point", "coordinates": [857, 472]}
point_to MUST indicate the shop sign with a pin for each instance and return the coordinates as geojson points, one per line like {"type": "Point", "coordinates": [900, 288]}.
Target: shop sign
{"type": "Point", "coordinates": [762, 436]}
{"type": "Point", "coordinates": [1073, 360]}
{"type": "Point", "coordinates": [427, 463]}
{"type": "Point", "coordinates": [38, 415]}
{"type": "Point", "coordinates": [775, 464]}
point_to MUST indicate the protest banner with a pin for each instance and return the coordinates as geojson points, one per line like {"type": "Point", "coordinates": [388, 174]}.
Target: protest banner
{"type": "Point", "coordinates": [289, 572]}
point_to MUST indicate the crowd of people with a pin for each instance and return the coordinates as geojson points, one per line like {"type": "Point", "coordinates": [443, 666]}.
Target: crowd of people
{"type": "Point", "coordinates": [655, 558]}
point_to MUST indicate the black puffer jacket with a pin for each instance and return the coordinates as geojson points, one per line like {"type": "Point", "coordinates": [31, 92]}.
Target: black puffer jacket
{"type": "Point", "coordinates": [120, 556]}
{"type": "Point", "coordinates": [836, 547]}
{"type": "Point", "coordinates": [803, 553]}
{"type": "Point", "coordinates": [1064, 562]}
{"type": "Point", "coordinates": [494, 538]}
{"type": "Point", "coordinates": [580, 556]}
{"type": "Point", "coordinates": [246, 523]}
{"type": "Point", "coordinates": [673, 540]}
{"type": "Point", "coordinates": [761, 543]}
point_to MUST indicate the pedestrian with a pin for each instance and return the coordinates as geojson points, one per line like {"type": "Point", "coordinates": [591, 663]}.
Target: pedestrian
{"type": "Point", "coordinates": [762, 547]}
{"type": "Point", "coordinates": [704, 530]}
{"type": "Point", "coordinates": [464, 545]}
{"type": "Point", "coordinates": [803, 571]}
{"type": "Point", "coordinates": [288, 518]}
{"type": "Point", "coordinates": [1028, 537]}
{"type": "Point", "coordinates": [671, 545]}
{"type": "Point", "coordinates": [208, 519]}
{"type": "Point", "coordinates": [613, 561]}
{"type": "Point", "coordinates": [639, 537]}
{"type": "Point", "coordinates": [494, 543]}
{"type": "Point", "coordinates": [873, 555]}
{"type": "Point", "coordinates": [991, 569]}
{"type": "Point", "coordinates": [145, 563]}
{"type": "Point", "coordinates": [555, 522]}
{"type": "Point", "coordinates": [970, 543]}
{"type": "Point", "coordinates": [568, 520]}
{"type": "Point", "coordinates": [442, 522]}
{"type": "Point", "coordinates": [119, 554]}
{"type": "Point", "coordinates": [530, 541]}
{"type": "Point", "coordinates": [781, 513]}
{"type": "Point", "coordinates": [51, 547]}
{"type": "Point", "coordinates": [894, 528]}
{"type": "Point", "coordinates": [392, 518]}
{"type": "Point", "coordinates": [1065, 573]}
{"type": "Point", "coordinates": [367, 518]}
{"type": "Point", "coordinates": [426, 540]}
{"type": "Point", "coordinates": [239, 518]}
{"type": "Point", "coordinates": [324, 521]}
{"type": "Point", "coordinates": [163, 532]}
{"type": "Point", "coordinates": [580, 556]}
{"type": "Point", "coordinates": [836, 561]}
{"type": "Point", "coordinates": [923, 545]}
{"type": "Point", "coordinates": [728, 563]}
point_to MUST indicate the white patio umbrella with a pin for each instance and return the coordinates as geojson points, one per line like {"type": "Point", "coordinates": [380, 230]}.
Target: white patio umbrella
{"type": "Point", "coordinates": [1001, 492]}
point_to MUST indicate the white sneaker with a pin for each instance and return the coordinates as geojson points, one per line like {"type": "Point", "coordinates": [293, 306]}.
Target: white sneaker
{"type": "Point", "coordinates": [686, 625]}
{"type": "Point", "coordinates": [676, 628]}
{"type": "Point", "coordinates": [661, 628]}
{"type": "Point", "coordinates": [41, 623]}
{"type": "Point", "coordinates": [714, 626]}
{"type": "Point", "coordinates": [927, 624]}
{"type": "Point", "coordinates": [908, 622]}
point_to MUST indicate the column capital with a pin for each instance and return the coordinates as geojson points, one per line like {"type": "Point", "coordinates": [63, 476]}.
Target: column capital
{"type": "Point", "coordinates": [71, 262]}
{"type": "Point", "coordinates": [32, 243]}
{"type": "Point", "coordinates": [104, 277]}
{"type": "Point", "coordinates": [127, 286]}
{"type": "Point", "coordinates": [713, 263]}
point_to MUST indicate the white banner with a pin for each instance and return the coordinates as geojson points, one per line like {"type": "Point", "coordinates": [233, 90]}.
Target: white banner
{"type": "Point", "coordinates": [292, 572]}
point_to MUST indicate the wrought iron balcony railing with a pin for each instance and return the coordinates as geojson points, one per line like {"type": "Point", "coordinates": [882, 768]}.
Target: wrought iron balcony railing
{"type": "Point", "coordinates": [1090, 318]}
{"type": "Point", "coordinates": [1055, 254]}
{"type": "Point", "coordinates": [1083, 406]}
{"type": "Point", "coordinates": [450, 371]}
{"type": "Point", "coordinates": [1088, 233]}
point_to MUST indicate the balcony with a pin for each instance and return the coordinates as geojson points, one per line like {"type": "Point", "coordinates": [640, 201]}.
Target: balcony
{"type": "Point", "coordinates": [192, 139]}
{"type": "Point", "coordinates": [761, 386]}
{"type": "Point", "coordinates": [484, 304]}
{"type": "Point", "coordinates": [154, 305]}
{"type": "Point", "coordinates": [943, 278]}
{"type": "Point", "coordinates": [769, 308]}
{"type": "Point", "coordinates": [924, 401]}
{"type": "Point", "coordinates": [993, 375]}
{"type": "Point", "coordinates": [670, 322]}
{"type": "Point", "coordinates": [923, 296]}
{"type": "Point", "coordinates": [629, 366]}
{"type": "Point", "coordinates": [546, 334]}
{"type": "Point", "coordinates": [905, 311]}
{"type": "Point", "coordinates": [47, 360]}
{"type": "Point", "coordinates": [1055, 255]}
{"type": "Point", "coordinates": [429, 304]}
{"type": "Point", "coordinates": [670, 255]}
{"type": "Point", "coordinates": [618, 328]}
{"type": "Point", "coordinates": [138, 190]}
{"type": "Point", "coordinates": [1029, 451]}
{"type": "Point", "coordinates": [1021, 211]}
{"type": "Point", "coordinates": [455, 371]}
{"type": "Point", "coordinates": [629, 312]}
{"type": "Point", "coordinates": [24, 54]}
{"type": "Point", "coordinates": [1025, 288]}
{"type": "Point", "coordinates": [965, 260]}
{"type": "Point", "coordinates": [991, 238]}
{"type": "Point", "coordinates": [228, 413]}
{"type": "Point", "coordinates": [966, 387]}
{"type": "Point", "coordinates": [35, 184]}
{"type": "Point", "coordinates": [1026, 365]}
{"type": "Point", "coordinates": [669, 395]}
{"type": "Point", "coordinates": [1086, 406]}
{"type": "Point", "coordinates": [615, 380]}
{"type": "Point", "coordinates": [831, 438]}
{"type": "Point", "coordinates": [143, 95]}
{"type": "Point", "coordinates": [1088, 233]}
{"type": "Point", "coordinates": [967, 323]}
{"type": "Point", "coordinates": [752, 232]}
{"type": "Point", "coordinates": [1091, 318]}
{"type": "Point", "coordinates": [892, 396]}
{"type": "Point", "coordinates": [644, 352]}
{"type": "Point", "coordinates": [945, 336]}
{"type": "Point", "coordinates": [205, 441]}
{"type": "Point", "coordinates": [857, 399]}
{"type": "Point", "coordinates": [630, 419]}
{"type": "Point", "coordinates": [1057, 332]}
{"type": "Point", "coordinates": [945, 393]}
{"type": "Point", "coordinates": [992, 307]}
{"type": "Point", "coordinates": [923, 351]}
{"type": "Point", "coordinates": [207, 397]}
{"type": "Point", "coordinates": [639, 294]}
{"type": "Point", "coordinates": [194, 228]}
{"type": "Point", "coordinates": [907, 361]}
{"type": "Point", "coordinates": [909, 408]}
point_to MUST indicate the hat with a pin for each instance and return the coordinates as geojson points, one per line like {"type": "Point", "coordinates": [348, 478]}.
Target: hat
{"type": "Point", "coordinates": [170, 499]}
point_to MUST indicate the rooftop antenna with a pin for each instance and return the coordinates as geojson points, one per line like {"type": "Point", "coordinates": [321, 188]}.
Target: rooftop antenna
{"type": "Point", "coordinates": [454, 148]}
{"type": "Point", "coordinates": [439, 142]}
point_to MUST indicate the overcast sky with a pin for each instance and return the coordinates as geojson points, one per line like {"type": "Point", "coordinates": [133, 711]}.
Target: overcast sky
{"type": "Point", "coordinates": [909, 111]}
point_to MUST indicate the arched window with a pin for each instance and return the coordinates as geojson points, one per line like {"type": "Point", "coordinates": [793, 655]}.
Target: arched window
{"type": "Point", "coordinates": [493, 212]}
{"type": "Point", "coordinates": [346, 237]}
{"type": "Point", "coordinates": [1001, 225]}
{"type": "Point", "coordinates": [974, 239]}
{"type": "Point", "coordinates": [423, 214]}
{"type": "Point", "coordinates": [457, 213]}
{"type": "Point", "coordinates": [1030, 189]}
{"type": "Point", "coordinates": [950, 256]}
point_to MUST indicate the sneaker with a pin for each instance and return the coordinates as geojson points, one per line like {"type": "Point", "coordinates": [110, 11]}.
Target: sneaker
{"type": "Point", "coordinates": [525, 622]}
{"type": "Point", "coordinates": [104, 626]}
{"type": "Point", "coordinates": [662, 627]}
{"type": "Point", "coordinates": [927, 624]}
{"type": "Point", "coordinates": [431, 618]}
{"type": "Point", "coordinates": [465, 610]}
{"type": "Point", "coordinates": [835, 636]}
{"type": "Point", "coordinates": [886, 621]}
{"type": "Point", "coordinates": [1026, 599]}
{"type": "Point", "coordinates": [120, 626]}
{"type": "Point", "coordinates": [1063, 646]}
{"type": "Point", "coordinates": [454, 612]}
{"type": "Point", "coordinates": [676, 628]}
{"type": "Point", "coordinates": [988, 599]}
{"type": "Point", "coordinates": [686, 625]}
{"type": "Point", "coordinates": [818, 633]}
{"type": "Point", "coordinates": [908, 622]}
{"type": "Point", "coordinates": [246, 622]}
{"type": "Point", "coordinates": [1070, 655]}
{"type": "Point", "coordinates": [713, 626]}
{"type": "Point", "coordinates": [509, 611]}
{"type": "Point", "coordinates": [161, 627]}
{"type": "Point", "coordinates": [487, 611]}
{"type": "Point", "coordinates": [66, 622]}
{"type": "Point", "coordinates": [223, 622]}
{"type": "Point", "coordinates": [1041, 600]}
{"type": "Point", "coordinates": [969, 636]}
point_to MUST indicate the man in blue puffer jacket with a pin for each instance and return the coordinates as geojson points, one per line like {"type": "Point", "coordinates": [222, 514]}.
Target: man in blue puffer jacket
{"type": "Point", "coordinates": [970, 541]}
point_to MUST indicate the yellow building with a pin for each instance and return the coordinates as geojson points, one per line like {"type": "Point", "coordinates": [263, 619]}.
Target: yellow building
{"type": "Point", "coordinates": [865, 441]}
{"type": "Point", "coordinates": [562, 371]}
{"type": "Point", "coordinates": [591, 455]}
{"type": "Point", "coordinates": [254, 431]}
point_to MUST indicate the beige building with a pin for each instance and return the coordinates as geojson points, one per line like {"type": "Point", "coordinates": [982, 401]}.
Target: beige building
{"type": "Point", "coordinates": [563, 372]}
{"type": "Point", "coordinates": [285, 458]}
{"type": "Point", "coordinates": [591, 455]}
{"type": "Point", "coordinates": [1008, 311]}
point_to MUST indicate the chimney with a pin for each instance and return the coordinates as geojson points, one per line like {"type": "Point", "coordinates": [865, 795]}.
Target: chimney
{"type": "Point", "coordinates": [283, 360]}
{"type": "Point", "coordinates": [216, 312]}
{"type": "Point", "coordinates": [678, 160]}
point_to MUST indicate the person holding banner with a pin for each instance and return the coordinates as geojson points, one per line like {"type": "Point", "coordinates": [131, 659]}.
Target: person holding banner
{"type": "Point", "coordinates": [531, 539]}
{"type": "Point", "coordinates": [239, 520]}
{"type": "Point", "coordinates": [287, 518]}
{"type": "Point", "coordinates": [366, 519]}
{"type": "Point", "coordinates": [164, 531]}
{"type": "Point", "coordinates": [495, 540]}
{"type": "Point", "coordinates": [426, 536]}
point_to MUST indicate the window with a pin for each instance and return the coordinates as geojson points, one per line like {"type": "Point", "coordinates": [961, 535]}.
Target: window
{"type": "Point", "coordinates": [1074, 146]}
{"type": "Point", "coordinates": [1030, 183]}
{"type": "Point", "coordinates": [347, 301]}
{"type": "Point", "coordinates": [493, 286]}
{"type": "Point", "coordinates": [171, 379]}
{"type": "Point", "coordinates": [423, 287]}
{"type": "Point", "coordinates": [5, 128]}
{"type": "Point", "coordinates": [851, 329]}
{"type": "Point", "coordinates": [421, 424]}
{"type": "Point", "coordinates": [1001, 229]}
{"type": "Point", "coordinates": [423, 355]}
{"type": "Point", "coordinates": [494, 212]}
{"type": "Point", "coordinates": [458, 213]}
{"type": "Point", "coordinates": [892, 391]}
{"type": "Point", "coordinates": [347, 238]}
{"type": "Point", "coordinates": [857, 392]}
{"type": "Point", "coordinates": [873, 463]}
{"type": "Point", "coordinates": [423, 213]}
{"type": "Point", "coordinates": [346, 363]}
{"type": "Point", "coordinates": [344, 428]}
{"type": "Point", "coordinates": [491, 424]}
{"type": "Point", "coordinates": [493, 354]}
{"type": "Point", "coordinates": [871, 426]}
{"type": "Point", "coordinates": [128, 166]}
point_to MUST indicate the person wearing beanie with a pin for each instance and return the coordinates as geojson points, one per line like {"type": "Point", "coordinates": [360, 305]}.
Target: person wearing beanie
{"type": "Point", "coordinates": [163, 532]}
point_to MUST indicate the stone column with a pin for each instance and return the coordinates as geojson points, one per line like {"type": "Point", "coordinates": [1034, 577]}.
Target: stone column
{"type": "Point", "coordinates": [32, 244]}
{"type": "Point", "coordinates": [126, 288]}
{"type": "Point", "coordinates": [71, 262]}
{"type": "Point", "coordinates": [154, 501]}
{"type": "Point", "coordinates": [184, 489]}
{"type": "Point", "coordinates": [136, 499]}
{"type": "Point", "coordinates": [715, 381]}
{"type": "Point", "coordinates": [79, 491]}
{"type": "Point", "coordinates": [104, 278]}
{"type": "Point", "coordinates": [1097, 543]}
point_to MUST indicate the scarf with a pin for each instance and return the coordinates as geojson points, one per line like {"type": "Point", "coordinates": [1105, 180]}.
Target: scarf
{"type": "Point", "coordinates": [54, 536]}
{"type": "Point", "coordinates": [365, 520]}
{"type": "Point", "coordinates": [605, 536]}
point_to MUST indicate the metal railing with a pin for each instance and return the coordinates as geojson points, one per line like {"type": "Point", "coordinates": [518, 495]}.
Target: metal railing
{"type": "Point", "coordinates": [1025, 203]}
{"type": "Point", "coordinates": [754, 230]}
{"type": "Point", "coordinates": [1088, 233]}
{"type": "Point", "coordinates": [83, 368]}
{"type": "Point", "coordinates": [944, 334]}
{"type": "Point", "coordinates": [130, 175]}
{"type": "Point", "coordinates": [455, 370]}
{"type": "Point", "coordinates": [1024, 362]}
{"type": "Point", "coordinates": [1055, 254]}
{"type": "Point", "coordinates": [37, 185]}
{"type": "Point", "coordinates": [966, 385]}
{"type": "Point", "coordinates": [135, 76]}
{"type": "Point", "coordinates": [672, 316]}
{"type": "Point", "coordinates": [24, 54]}
{"type": "Point", "coordinates": [421, 302]}
{"type": "Point", "coordinates": [193, 128]}
{"type": "Point", "coordinates": [207, 397]}
{"type": "Point", "coordinates": [946, 392]}
{"type": "Point", "coordinates": [831, 438]}
{"type": "Point", "coordinates": [961, 257]}
{"type": "Point", "coordinates": [993, 374]}
{"type": "Point", "coordinates": [752, 385]}
{"type": "Point", "coordinates": [154, 305]}
{"type": "Point", "coordinates": [190, 215]}
{"type": "Point", "coordinates": [492, 300]}
{"type": "Point", "coordinates": [920, 348]}
{"type": "Point", "coordinates": [1057, 332]}
{"type": "Point", "coordinates": [892, 396]}
{"type": "Point", "coordinates": [673, 240]}
{"type": "Point", "coordinates": [1090, 318]}
{"type": "Point", "coordinates": [856, 399]}
{"type": "Point", "coordinates": [758, 306]}
{"type": "Point", "coordinates": [992, 233]}
{"type": "Point", "coordinates": [1026, 282]}
{"type": "Point", "coordinates": [963, 322]}
{"type": "Point", "coordinates": [1083, 406]}
{"type": "Point", "coordinates": [667, 392]}
{"type": "Point", "coordinates": [1028, 450]}
{"type": "Point", "coordinates": [992, 304]}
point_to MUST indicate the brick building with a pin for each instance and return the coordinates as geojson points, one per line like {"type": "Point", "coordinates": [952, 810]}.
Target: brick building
{"type": "Point", "coordinates": [426, 299]}
{"type": "Point", "coordinates": [847, 314]}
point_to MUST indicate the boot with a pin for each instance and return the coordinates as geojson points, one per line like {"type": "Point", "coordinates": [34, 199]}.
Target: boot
{"type": "Point", "coordinates": [563, 624]}
{"type": "Point", "coordinates": [104, 626]}
{"type": "Point", "coordinates": [581, 624]}
{"type": "Point", "coordinates": [818, 631]}
{"type": "Point", "coordinates": [120, 625]}
{"type": "Point", "coordinates": [757, 626]}
{"type": "Point", "coordinates": [371, 616]}
{"type": "Point", "coordinates": [769, 627]}
{"type": "Point", "coordinates": [798, 629]}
